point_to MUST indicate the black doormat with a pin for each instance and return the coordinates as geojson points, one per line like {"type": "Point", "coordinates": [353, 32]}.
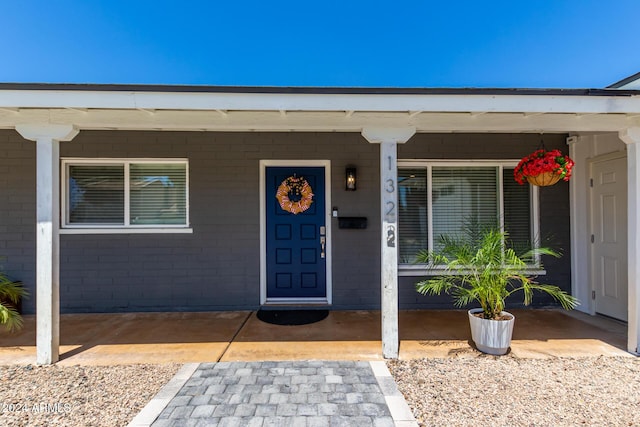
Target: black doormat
{"type": "Point", "coordinates": [292, 317]}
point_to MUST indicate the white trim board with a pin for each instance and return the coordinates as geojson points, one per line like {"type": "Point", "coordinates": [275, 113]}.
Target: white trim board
{"type": "Point", "coordinates": [150, 101]}
{"type": "Point", "coordinates": [263, 230]}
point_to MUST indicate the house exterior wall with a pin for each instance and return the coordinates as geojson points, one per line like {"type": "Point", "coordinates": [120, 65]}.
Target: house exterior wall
{"type": "Point", "coordinates": [18, 211]}
{"type": "Point", "coordinates": [217, 267]}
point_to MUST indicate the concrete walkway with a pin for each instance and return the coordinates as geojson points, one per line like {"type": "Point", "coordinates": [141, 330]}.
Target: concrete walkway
{"type": "Point", "coordinates": [107, 339]}
{"type": "Point", "coordinates": [299, 394]}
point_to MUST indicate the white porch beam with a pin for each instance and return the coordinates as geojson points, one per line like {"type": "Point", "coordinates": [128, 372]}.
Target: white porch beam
{"type": "Point", "coordinates": [320, 101]}
{"type": "Point", "coordinates": [47, 137]}
{"type": "Point", "coordinates": [389, 138]}
{"type": "Point", "coordinates": [327, 121]}
{"type": "Point", "coordinates": [631, 137]}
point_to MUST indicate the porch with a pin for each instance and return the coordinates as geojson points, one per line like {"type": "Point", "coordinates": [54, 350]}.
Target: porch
{"type": "Point", "coordinates": [104, 339]}
{"type": "Point", "coordinates": [220, 142]}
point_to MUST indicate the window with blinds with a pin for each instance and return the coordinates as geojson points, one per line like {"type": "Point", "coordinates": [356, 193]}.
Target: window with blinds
{"type": "Point", "coordinates": [125, 193]}
{"type": "Point", "coordinates": [436, 200]}
{"type": "Point", "coordinates": [157, 193]}
{"type": "Point", "coordinates": [95, 194]}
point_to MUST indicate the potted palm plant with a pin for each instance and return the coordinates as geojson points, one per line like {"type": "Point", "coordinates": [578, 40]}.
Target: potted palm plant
{"type": "Point", "coordinates": [483, 267]}
{"type": "Point", "coordinates": [11, 293]}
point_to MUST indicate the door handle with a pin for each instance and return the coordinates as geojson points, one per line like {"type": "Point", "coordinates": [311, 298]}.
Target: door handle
{"type": "Point", "coordinates": [323, 241]}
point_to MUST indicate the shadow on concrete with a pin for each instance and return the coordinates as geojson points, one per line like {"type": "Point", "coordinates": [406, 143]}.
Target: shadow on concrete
{"type": "Point", "coordinates": [211, 336]}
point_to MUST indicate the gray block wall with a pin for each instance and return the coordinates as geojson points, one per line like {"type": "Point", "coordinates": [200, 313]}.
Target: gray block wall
{"type": "Point", "coordinates": [217, 267]}
{"type": "Point", "coordinates": [18, 210]}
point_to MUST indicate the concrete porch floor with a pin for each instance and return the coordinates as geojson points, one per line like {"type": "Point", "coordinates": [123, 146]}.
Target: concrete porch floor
{"type": "Point", "coordinates": [104, 339]}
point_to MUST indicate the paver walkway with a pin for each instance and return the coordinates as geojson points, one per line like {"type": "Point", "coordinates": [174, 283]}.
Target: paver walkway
{"type": "Point", "coordinates": [299, 394]}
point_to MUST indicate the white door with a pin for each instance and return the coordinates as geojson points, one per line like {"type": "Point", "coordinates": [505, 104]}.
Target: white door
{"type": "Point", "coordinates": [609, 236]}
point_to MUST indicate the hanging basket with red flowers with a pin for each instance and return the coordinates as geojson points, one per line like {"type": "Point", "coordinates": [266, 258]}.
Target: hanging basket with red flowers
{"type": "Point", "coordinates": [543, 168]}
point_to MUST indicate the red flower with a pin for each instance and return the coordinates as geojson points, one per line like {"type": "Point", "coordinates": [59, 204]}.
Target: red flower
{"type": "Point", "coordinates": [541, 161]}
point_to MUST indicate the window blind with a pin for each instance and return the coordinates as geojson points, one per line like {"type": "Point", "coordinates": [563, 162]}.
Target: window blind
{"type": "Point", "coordinates": [95, 194]}
{"type": "Point", "coordinates": [412, 201]}
{"type": "Point", "coordinates": [157, 194]}
{"type": "Point", "coordinates": [517, 211]}
{"type": "Point", "coordinates": [461, 198]}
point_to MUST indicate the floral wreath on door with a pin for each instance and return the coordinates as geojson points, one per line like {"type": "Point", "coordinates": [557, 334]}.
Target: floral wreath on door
{"type": "Point", "coordinates": [295, 195]}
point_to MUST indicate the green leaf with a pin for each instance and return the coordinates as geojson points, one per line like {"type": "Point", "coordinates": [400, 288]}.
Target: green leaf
{"type": "Point", "coordinates": [481, 267]}
{"type": "Point", "coordinates": [10, 294]}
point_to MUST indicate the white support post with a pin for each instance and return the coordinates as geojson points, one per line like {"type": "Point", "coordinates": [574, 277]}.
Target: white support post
{"type": "Point", "coordinates": [47, 137]}
{"type": "Point", "coordinates": [631, 137]}
{"type": "Point", "coordinates": [389, 138]}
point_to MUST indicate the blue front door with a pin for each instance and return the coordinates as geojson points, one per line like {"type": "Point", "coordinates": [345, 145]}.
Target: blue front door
{"type": "Point", "coordinates": [296, 232]}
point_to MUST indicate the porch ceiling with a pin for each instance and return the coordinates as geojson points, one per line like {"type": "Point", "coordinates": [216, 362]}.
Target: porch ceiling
{"type": "Point", "coordinates": [324, 112]}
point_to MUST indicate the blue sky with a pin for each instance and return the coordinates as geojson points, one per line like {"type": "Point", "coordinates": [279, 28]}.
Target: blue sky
{"type": "Point", "coordinates": [395, 43]}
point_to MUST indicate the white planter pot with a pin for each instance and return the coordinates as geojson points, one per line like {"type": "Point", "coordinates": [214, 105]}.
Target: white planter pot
{"type": "Point", "coordinates": [491, 336]}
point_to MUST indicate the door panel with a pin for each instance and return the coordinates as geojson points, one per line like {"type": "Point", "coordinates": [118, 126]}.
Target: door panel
{"type": "Point", "coordinates": [609, 247]}
{"type": "Point", "coordinates": [295, 258]}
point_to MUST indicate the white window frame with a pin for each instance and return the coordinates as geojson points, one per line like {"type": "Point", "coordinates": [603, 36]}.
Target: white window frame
{"type": "Point", "coordinates": [127, 227]}
{"type": "Point", "coordinates": [429, 164]}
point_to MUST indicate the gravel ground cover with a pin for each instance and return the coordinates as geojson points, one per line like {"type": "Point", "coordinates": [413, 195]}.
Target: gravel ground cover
{"type": "Point", "coordinates": [507, 391]}
{"type": "Point", "coordinates": [462, 391]}
{"type": "Point", "coordinates": [78, 395]}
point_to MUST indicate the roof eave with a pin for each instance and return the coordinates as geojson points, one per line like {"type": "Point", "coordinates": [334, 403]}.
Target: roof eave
{"type": "Point", "coordinates": [474, 101]}
{"type": "Point", "coordinates": [319, 90]}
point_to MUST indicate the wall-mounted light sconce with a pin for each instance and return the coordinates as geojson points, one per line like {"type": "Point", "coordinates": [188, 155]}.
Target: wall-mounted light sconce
{"type": "Point", "coordinates": [350, 178]}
